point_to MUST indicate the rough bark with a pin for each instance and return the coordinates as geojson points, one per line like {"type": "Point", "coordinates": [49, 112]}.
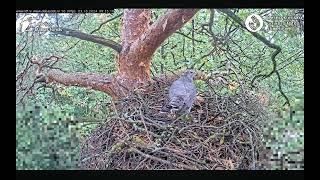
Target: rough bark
{"type": "Point", "coordinates": [100, 82]}
{"type": "Point", "coordinates": [139, 41]}
{"type": "Point", "coordinates": [133, 67]}
{"type": "Point", "coordinates": [135, 58]}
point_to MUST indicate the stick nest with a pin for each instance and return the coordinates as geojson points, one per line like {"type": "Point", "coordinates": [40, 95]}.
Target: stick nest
{"type": "Point", "coordinates": [222, 132]}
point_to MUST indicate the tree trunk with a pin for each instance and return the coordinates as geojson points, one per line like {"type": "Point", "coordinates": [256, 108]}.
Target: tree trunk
{"type": "Point", "coordinates": [139, 41]}
{"type": "Point", "coordinates": [133, 61]}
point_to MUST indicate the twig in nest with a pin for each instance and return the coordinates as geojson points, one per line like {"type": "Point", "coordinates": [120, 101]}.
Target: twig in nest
{"type": "Point", "coordinates": [182, 144]}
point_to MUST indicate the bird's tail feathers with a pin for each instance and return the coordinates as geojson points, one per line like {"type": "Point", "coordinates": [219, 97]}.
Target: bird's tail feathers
{"type": "Point", "coordinates": [174, 105]}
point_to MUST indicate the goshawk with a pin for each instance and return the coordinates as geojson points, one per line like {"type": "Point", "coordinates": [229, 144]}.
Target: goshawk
{"type": "Point", "coordinates": [182, 94]}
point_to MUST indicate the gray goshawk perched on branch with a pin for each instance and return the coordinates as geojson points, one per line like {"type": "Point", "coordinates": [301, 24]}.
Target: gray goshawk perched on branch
{"type": "Point", "coordinates": [182, 94]}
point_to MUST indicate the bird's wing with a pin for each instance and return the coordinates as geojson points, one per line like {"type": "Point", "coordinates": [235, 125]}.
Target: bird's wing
{"type": "Point", "coordinates": [181, 95]}
{"type": "Point", "coordinates": [177, 89]}
{"type": "Point", "coordinates": [191, 96]}
{"type": "Point", "coordinates": [177, 95]}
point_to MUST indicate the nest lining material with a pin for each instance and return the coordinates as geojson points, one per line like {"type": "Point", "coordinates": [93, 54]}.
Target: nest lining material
{"type": "Point", "coordinates": [221, 132]}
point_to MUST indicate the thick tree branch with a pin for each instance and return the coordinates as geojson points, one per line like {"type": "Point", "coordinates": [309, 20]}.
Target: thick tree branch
{"type": "Point", "coordinates": [88, 37]}
{"type": "Point", "coordinates": [100, 82]}
{"type": "Point", "coordinates": [140, 41]}
{"type": "Point", "coordinates": [165, 26]}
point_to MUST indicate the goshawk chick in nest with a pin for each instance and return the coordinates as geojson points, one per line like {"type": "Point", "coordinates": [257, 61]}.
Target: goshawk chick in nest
{"type": "Point", "coordinates": [182, 94]}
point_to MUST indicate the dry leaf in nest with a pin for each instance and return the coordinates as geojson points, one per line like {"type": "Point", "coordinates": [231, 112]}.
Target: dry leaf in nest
{"type": "Point", "coordinates": [229, 164]}
{"type": "Point", "coordinates": [199, 100]}
{"type": "Point", "coordinates": [222, 140]}
{"type": "Point", "coordinates": [233, 86]}
{"type": "Point", "coordinates": [200, 111]}
{"type": "Point", "coordinates": [140, 139]}
{"type": "Point", "coordinates": [201, 76]}
{"type": "Point", "coordinates": [216, 119]}
{"type": "Point", "coordinates": [263, 98]}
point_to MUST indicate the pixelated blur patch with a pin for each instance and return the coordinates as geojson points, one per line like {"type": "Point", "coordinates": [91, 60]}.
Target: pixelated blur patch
{"type": "Point", "coordinates": [45, 139]}
{"type": "Point", "coordinates": [285, 137]}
